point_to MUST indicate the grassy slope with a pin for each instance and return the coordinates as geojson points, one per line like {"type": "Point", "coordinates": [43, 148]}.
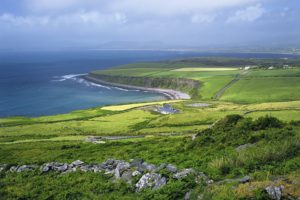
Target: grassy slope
{"type": "Point", "coordinates": [59, 138]}
{"type": "Point", "coordinates": [255, 86]}
{"type": "Point", "coordinates": [137, 121]}
{"type": "Point", "coordinates": [213, 152]}
{"type": "Point", "coordinates": [265, 86]}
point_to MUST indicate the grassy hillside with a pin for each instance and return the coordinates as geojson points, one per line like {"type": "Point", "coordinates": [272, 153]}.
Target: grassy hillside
{"type": "Point", "coordinates": [256, 85]}
{"type": "Point", "coordinates": [186, 85]}
{"type": "Point", "coordinates": [273, 152]}
{"type": "Point", "coordinates": [250, 133]}
{"type": "Point", "coordinates": [135, 120]}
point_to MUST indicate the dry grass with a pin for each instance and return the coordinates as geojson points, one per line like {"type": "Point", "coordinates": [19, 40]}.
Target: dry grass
{"type": "Point", "coordinates": [136, 105]}
{"type": "Point", "coordinates": [291, 186]}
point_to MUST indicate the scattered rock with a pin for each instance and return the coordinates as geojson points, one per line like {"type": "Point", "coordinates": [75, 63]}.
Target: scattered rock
{"type": "Point", "coordinates": [109, 172]}
{"type": "Point", "coordinates": [61, 167]}
{"type": "Point", "coordinates": [187, 195]}
{"type": "Point", "coordinates": [136, 173]}
{"type": "Point", "coordinates": [110, 164]}
{"type": "Point", "coordinates": [148, 167]}
{"type": "Point", "coordinates": [96, 168]}
{"type": "Point", "coordinates": [46, 167]}
{"type": "Point", "coordinates": [13, 168]}
{"type": "Point", "coordinates": [244, 146]}
{"type": "Point", "coordinates": [90, 168]}
{"type": "Point", "coordinates": [161, 182]}
{"type": "Point", "coordinates": [274, 192]}
{"type": "Point", "coordinates": [3, 167]}
{"type": "Point", "coordinates": [194, 136]}
{"type": "Point", "coordinates": [77, 163]}
{"type": "Point", "coordinates": [171, 168]}
{"type": "Point", "coordinates": [150, 180]}
{"type": "Point", "coordinates": [137, 162]}
{"type": "Point", "coordinates": [94, 139]}
{"type": "Point", "coordinates": [70, 170]}
{"type": "Point", "coordinates": [201, 177]}
{"type": "Point", "coordinates": [120, 168]}
{"type": "Point", "coordinates": [24, 168]}
{"type": "Point", "coordinates": [183, 173]}
{"type": "Point", "coordinates": [245, 179]}
{"type": "Point", "coordinates": [126, 176]}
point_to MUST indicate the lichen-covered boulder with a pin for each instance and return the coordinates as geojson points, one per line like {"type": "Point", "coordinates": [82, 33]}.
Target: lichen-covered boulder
{"type": "Point", "coordinates": [62, 167]}
{"type": "Point", "coordinates": [46, 167]}
{"type": "Point", "coordinates": [120, 168]}
{"type": "Point", "coordinates": [183, 173]}
{"type": "Point", "coordinates": [110, 164]}
{"type": "Point", "coordinates": [171, 168]}
{"type": "Point", "coordinates": [127, 176]}
{"type": "Point", "coordinates": [77, 163]}
{"type": "Point", "coordinates": [274, 192]}
{"type": "Point", "coordinates": [136, 173]}
{"type": "Point", "coordinates": [137, 162]}
{"type": "Point", "coordinates": [24, 168]}
{"type": "Point", "coordinates": [90, 168]}
{"type": "Point", "coordinates": [13, 168]}
{"type": "Point", "coordinates": [150, 180]}
{"type": "Point", "coordinates": [3, 167]}
{"type": "Point", "coordinates": [245, 179]}
{"type": "Point", "coordinates": [147, 167]}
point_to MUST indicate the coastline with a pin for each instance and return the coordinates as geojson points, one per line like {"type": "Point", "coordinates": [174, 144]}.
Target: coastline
{"type": "Point", "coordinates": [170, 94]}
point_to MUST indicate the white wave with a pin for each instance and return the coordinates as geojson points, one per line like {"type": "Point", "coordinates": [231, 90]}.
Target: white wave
{"type": "Point", "coordinates": [122, 89]}
{"type": "Point", "coordinates": [60, 80]}
{"type": "Point", "coordinates": [70, 76]}
{"type": "Point", "coordinates": [66, 77]}
{"type": "Point", "coordinates": [98, 85]}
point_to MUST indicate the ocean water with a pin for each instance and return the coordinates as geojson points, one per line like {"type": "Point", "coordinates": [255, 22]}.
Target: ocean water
{"type": "Point", "coordinates": [47, 83]}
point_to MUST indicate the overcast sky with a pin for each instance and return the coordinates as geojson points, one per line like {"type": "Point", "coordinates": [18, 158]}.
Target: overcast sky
{"type": "Point", "coordinates": [54, 24]}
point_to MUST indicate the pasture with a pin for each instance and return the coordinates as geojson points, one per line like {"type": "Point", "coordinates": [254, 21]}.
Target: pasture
{"type": "Point", "coordinates": [259, 110]}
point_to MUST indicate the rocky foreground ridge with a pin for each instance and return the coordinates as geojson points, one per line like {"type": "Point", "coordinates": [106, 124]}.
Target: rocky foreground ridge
{"type": "Point", "coordinates": [148, 175]}
{"type": "Point", "coordinates": [140, 174]}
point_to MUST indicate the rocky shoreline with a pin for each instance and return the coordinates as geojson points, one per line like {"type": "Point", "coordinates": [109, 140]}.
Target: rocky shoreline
{"type": "Point", "coordinates": [170, 94]}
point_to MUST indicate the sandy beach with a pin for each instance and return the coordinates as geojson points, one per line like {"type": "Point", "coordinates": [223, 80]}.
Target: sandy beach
{"type": "Point", "coordinates": [170, 94]}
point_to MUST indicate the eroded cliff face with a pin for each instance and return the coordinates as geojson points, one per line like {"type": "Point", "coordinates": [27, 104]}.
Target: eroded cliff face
{"type": "Point", "coordinates": [180, 84]}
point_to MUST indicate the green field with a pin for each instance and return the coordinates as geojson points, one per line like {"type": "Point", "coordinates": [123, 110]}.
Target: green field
{"type": "Point", "coordinates": [254, 85]}
{"type": "Point", "coordinates": [259, 108]}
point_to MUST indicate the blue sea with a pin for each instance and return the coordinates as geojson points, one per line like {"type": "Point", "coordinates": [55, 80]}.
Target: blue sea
{"type": "Point", "coordinates": [47, 83]}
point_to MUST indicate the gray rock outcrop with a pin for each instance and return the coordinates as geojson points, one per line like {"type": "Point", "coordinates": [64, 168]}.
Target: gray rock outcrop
{"type": "Point", "coordinates": [171, 168]}
{"type": "Point", "coordinates": [148, 174]}
{"type": "Point", "coordinates": [150, 180]}
{"type": "Point", "coordinates": [274, 192]}
{"type": "Point", "coordinates": [183, 173]}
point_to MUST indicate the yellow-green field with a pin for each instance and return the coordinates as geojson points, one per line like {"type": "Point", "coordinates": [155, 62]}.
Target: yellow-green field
{"type": "Point", "coordinates": [207, 69]}
{"type": "Point", "coordinates": [135, 105]}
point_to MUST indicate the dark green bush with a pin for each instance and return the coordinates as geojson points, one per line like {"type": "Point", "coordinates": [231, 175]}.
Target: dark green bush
{"type": "Point", "coordinates": [266, 122]}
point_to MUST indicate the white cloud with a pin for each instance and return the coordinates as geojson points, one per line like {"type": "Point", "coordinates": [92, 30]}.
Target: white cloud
{"type": "Point", "coordinates": [155, 7]}
{"type": "Point", "coordinates": [202, 18]}
{"type": "Point", "coordinates": [284, 11]}
{"type": "Point", "coordinates": [77, 18]}
{"type": "Point", "coordinates": [48, 5]}
{"type": "Point", "coordinates": [120, 17]}
{"type": "Point", "coordinates": [24, 20]}
{"type": "Point", "coordinates": [174, 7]}
{"type": "Point", "coordinates": [249, 14]}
